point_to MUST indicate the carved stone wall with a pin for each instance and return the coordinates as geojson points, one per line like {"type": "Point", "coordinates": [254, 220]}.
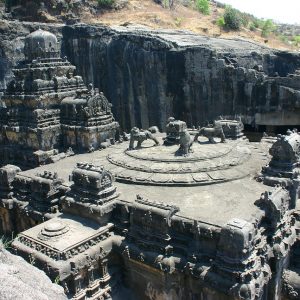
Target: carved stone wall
{"type": "Point", "coordinates": [95, 239]}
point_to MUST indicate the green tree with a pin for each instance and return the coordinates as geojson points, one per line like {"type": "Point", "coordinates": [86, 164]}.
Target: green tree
{"type": "Point", "coordinates": [232, 18]}
{"type": "Point", "coordinates": [245, 19]}
{"type": "Point", "coordinates": [203, 6]}
{"type": "Point", "coordinates": [252, 27]}
{"type": "Point", "coordinates": [106, 3]}
{"type": "Point", "coordinates": [296, 40]}
{"type": "Point", "coordinates": [267, 28]}
{"type": "Point", "coordinates": [221, 22]}
{"type": "Point", "coordinates": [283, 38]}
{"type": "Point", "coordinates": [258, 23]}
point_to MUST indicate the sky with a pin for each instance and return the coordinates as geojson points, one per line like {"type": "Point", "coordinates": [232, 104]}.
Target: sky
{"type": "Point", "coordinates": [283, 11]}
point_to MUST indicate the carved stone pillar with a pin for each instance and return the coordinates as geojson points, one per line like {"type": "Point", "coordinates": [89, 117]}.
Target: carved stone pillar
{"type": "Point", "coordinates": [93, 285]}
{"type": "Point", "coordinates": [104, 276]}
{"type": "Point", "coordinates": [90, 275]}
{"type": "Point", "coordinates": [77, 283]}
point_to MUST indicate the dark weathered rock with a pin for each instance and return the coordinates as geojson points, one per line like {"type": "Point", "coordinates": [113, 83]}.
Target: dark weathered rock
{"type": "Point", "coordinates": [150, 75]}
{"type": "Point", "coordinates": [57, 10]}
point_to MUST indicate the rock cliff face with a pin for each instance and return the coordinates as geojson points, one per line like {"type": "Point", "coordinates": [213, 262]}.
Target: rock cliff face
{"type": "Point", "coordinates": [151, 75]}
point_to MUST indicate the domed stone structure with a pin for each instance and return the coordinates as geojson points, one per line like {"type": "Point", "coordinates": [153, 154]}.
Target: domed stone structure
{"type": "Point", "coordinates": [53, 230]}
{"type": "Point", "coordinates": [41, 44]}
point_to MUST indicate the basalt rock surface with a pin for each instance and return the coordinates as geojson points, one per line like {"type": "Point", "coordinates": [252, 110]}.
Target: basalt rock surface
{"type": "Point", "coordinates": [150, 75]}
{"type": "Point", "coordinates": [20, 280]}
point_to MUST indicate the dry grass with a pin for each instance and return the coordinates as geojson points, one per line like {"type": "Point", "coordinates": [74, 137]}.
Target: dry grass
{"type": "Point", "coordinates": [148, 13]}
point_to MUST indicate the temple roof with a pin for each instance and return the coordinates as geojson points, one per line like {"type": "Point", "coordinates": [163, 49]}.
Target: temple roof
{"type": "Point", "coordinates": [39, 43]}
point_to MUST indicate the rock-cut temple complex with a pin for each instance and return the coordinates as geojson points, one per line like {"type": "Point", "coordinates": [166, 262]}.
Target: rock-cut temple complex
{"type": "Point", "coordinates": [48, 109]}
{"type": "Point", "coordinates": [185, 214]}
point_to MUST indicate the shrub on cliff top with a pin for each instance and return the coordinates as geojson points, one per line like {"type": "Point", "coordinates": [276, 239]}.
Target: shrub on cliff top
{"type": "Point", "coordinates": [296, 40]}
{"type": "Point", "coordinates": [268, 27]}
{"type": "Point", "coordinates": [232, 18]}
{"type": "Point", "coordinates": [106, 3]}
{"type": "Point", "coordinates": [203, 6]}
{"type": "Point", "coordinates": [220, 22]}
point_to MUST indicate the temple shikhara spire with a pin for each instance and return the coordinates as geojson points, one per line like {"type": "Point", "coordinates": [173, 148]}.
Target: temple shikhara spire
{"type": "Point", "coordinates": [48, 109]}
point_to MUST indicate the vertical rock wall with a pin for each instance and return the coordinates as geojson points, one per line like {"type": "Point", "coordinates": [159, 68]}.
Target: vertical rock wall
{"type": "Point", "coordinates": [149, 76]}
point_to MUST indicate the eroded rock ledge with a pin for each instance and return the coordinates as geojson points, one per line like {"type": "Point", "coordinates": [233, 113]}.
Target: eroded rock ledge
{"type": "Point", "coordinates": [20, 280]}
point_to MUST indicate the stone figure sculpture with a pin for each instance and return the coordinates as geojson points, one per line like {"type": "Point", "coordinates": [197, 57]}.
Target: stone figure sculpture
{"type": "Point", "coordinates": [284, 166]}
{"type": "Point", "coordinates": [140, 136]}
{"type": "Point", "coordinates": [212, 132]}
{"type": "Point", "coordinates": [185, 143]}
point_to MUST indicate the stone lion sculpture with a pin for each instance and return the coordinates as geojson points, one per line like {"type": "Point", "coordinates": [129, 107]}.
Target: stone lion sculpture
{"type": "Point", "coordinates": [212, 132]}
{"type": "Point", "coordinates": [185, 142]}
{"type": "Point", "coordinates": [140, 136]}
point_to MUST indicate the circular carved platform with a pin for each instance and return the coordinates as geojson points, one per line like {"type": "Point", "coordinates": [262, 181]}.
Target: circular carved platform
{"type": "Point", "coordinates": [169, 153]}
{"type": "Point", "coordinates": [161, 165]}
{"type": "Point", "coordinates": [53, 230]}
